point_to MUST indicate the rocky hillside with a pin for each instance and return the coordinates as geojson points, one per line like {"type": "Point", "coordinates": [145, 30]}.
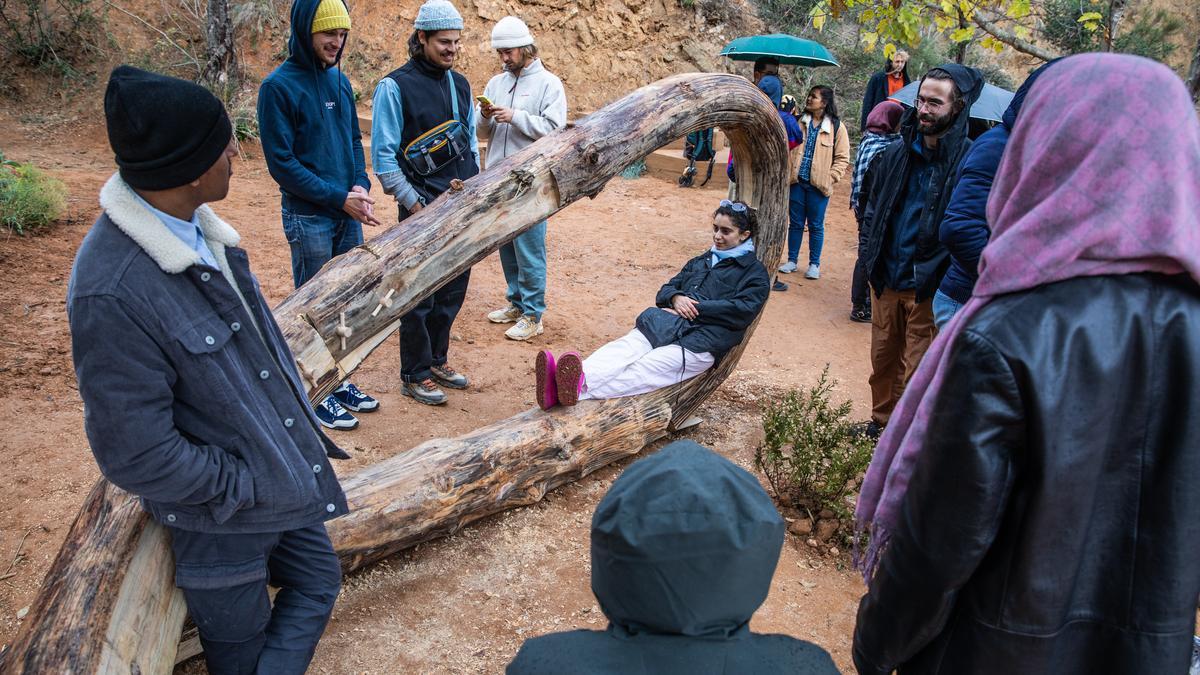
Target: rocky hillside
{"type": "Point", "coordinates": [601, 49]}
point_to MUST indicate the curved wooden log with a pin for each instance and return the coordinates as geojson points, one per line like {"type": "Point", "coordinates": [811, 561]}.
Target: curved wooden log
{"type": "Point", "coordinates": [109, 604]}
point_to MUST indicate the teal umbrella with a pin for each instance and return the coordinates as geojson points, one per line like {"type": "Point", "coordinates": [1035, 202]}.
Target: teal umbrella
{"type": "Point", "coordinates": [789, 49]}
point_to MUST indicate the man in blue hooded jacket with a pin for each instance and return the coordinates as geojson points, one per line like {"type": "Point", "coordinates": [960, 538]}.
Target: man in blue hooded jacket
{"type": "Point", "coordinates": [313, 148]}
{"type": "Point", "coordinates": [684, 546]}
{"type": "Point", "coordinates": [964, 231]}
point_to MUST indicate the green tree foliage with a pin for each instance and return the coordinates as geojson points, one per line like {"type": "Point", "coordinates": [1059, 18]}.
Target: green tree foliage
{"type": "Point", "coordinates": [1075, 26]}
{"type": "Point", "coordinates": [1046, 30]}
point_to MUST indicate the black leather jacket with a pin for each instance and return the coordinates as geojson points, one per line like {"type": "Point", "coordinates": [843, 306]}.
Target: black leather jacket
{"type": "Point", "coordinates": [1052, 524]}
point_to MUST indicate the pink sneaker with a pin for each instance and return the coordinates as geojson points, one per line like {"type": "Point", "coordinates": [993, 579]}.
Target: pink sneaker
{"type": "Point", "coordinates": [547, 392]}
{"type": "Point", "coordinates": [569, 378]}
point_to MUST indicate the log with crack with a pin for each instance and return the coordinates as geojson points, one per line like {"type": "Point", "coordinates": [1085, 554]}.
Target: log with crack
{"type": "Point", "coordinates": [108, 603]}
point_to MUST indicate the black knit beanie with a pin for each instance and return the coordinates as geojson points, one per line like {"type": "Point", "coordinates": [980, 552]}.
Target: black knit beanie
{"type": "Point", "coordinates": [166, 132]}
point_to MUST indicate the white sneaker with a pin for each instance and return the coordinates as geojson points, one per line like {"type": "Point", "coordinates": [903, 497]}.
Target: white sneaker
{"type": "Point", "coordinates": [814, 272]}
{"type": "Point", "coordinates": [507, 315]}
{"type": "Point", "coordinates": [788, 267]}
{"type": "Point", "coordinates": [526, 328]}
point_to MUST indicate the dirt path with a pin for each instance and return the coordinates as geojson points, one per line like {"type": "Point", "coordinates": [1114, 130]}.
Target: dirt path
{"type": "Point", "coordinates": [463, 604]}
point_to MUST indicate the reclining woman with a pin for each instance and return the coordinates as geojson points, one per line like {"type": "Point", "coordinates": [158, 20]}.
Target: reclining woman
{"type": "Point", "coordinates": [700, 314]}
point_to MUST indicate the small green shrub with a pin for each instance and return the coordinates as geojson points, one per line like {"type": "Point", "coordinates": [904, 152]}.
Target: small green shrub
{"type": "Point", "coordinates": [57, 35]}
{"type": "Point", "coordinates": [29, 199]}
{"type": "Point", "coordinates": [812, 454]}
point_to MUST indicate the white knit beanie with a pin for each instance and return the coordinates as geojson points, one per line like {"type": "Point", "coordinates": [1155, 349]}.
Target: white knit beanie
{"type": "Point", "coordinates": [438, 15]}
{"type": "Point", "coordinates": [511, 32]}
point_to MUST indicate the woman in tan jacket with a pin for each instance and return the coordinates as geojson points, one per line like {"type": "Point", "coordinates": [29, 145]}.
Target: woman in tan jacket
{"type": "Point", "coordinates": [815, 165]}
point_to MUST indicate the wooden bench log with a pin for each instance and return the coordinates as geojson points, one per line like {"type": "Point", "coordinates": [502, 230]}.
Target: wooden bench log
{"type": "Point", "coordinates": [108, 603]}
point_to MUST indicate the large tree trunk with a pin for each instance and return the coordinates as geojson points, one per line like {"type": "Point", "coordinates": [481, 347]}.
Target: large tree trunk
{"type": "Point", "coordinates": [108, 603]}
{"type": "Point", "coordinates": [220, 67]}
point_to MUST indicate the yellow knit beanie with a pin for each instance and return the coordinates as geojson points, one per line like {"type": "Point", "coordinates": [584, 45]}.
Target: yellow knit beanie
{"type": "Point", "coordinates": [331, 14]}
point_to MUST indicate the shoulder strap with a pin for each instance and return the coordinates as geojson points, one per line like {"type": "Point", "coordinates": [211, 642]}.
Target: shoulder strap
{"type": "Point", "coordinates": [453, 95]}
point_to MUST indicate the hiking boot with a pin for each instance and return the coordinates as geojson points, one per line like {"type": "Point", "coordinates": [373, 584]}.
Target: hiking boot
{"type": "Point", "coordinates": [779, 286]}
{"type": "Point", "coordinates": [507, 315]}
{"type": "Point", "coordinates": [814, 272]}
{"type": "Point", "coordinates": [449, 377]}
{"type": "Point", "coordinates": [526, 328]}
{"type": "Point", "coordinates": [332, 415]}
{"type": "Point", "coordinates": [352, 399]}
{"type": "Point", "coordinates": [873, 430]}
{"type": "Point", "coordinates": [424, 391]}
{"type": "Point", "coordinates": [788, 267]}
{"type": "Point", "coordinates": [861, 314]}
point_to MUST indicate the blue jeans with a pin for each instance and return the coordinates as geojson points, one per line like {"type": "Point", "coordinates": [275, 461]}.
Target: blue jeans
{"type": "Point", "coordinates": [806, 205]}
{"type": "Point", "coordinates": [317, 239]}
{"type": "Point", "coordinates": [224, 580]}
{"type": "Point", "coordinates": [944, 308]}
{"type": "Point", "coordinates": [524, 263]}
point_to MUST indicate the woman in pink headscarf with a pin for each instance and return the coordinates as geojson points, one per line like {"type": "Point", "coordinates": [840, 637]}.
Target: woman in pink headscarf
{"type": "Point", "coordinates": [1034, 506]}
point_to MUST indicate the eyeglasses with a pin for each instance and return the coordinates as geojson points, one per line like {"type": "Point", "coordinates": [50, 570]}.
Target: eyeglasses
{"type": "Point", "coordinates": [737, 207]}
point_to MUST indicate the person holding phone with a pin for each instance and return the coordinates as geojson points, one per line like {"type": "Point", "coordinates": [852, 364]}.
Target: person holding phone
{"type": "Point", "coordinates": [519, 106]}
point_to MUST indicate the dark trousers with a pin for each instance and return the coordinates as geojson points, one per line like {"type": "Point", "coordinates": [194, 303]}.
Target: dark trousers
{"type": "Point", "coordinates": [860, 287]}
{"type": "Point", "coordinates": [224, 579]}
{"type": "Point", "coordinates": [425, 330]}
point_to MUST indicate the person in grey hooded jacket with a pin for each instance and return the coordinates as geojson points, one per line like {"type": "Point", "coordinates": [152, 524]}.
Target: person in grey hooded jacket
{"type": "Point", "coordinates": [684, 546]}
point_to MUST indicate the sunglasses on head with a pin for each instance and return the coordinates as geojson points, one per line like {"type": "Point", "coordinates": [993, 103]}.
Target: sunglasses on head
{"type": "Point", "coordinates": [737, 207]}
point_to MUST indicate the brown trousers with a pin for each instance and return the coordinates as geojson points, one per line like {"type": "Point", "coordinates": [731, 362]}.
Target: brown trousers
{"type": "Point", "coordinates": [901, 330]}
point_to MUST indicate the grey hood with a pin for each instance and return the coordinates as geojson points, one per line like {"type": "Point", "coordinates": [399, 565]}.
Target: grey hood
{"type": "Point", "coordinates": [684, 543]}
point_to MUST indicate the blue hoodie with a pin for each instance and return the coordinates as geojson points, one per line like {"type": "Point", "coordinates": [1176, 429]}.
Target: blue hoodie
{"type": "Point", "coordinates": [964, 231]}
{"type": "Point", "coordinates": [309, 126]}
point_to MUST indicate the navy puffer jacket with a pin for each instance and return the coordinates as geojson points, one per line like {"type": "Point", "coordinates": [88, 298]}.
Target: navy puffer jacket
{"type": "Point", "coordinates": [964, 231]}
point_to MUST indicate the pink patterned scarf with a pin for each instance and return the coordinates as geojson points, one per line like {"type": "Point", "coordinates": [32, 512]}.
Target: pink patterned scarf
{"type": "Point", "coordinates": [1101, 176]}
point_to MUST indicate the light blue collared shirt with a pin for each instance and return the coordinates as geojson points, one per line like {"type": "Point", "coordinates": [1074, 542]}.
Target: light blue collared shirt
{"type": "Point", "coordinates": [188, 231]}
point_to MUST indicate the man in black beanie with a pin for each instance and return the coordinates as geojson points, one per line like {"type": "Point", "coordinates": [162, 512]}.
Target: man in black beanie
{"type": "Point", "coordinates": [191, 396]}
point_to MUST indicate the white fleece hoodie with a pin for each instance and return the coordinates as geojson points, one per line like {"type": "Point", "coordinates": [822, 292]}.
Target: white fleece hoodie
{"type": "Point", "coordinates": [540, 104]}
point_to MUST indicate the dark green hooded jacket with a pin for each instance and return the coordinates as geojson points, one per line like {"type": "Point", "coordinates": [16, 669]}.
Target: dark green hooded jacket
{"type": "Point", "coordinates": [684, 546]}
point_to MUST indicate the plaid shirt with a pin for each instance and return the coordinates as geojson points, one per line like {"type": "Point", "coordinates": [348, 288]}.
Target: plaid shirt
{"type": "Point", "coordinates": [870, 145]}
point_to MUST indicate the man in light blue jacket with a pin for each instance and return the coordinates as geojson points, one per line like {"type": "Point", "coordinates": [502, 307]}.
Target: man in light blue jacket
{"type": "Point", "coordinates": [425, 94]}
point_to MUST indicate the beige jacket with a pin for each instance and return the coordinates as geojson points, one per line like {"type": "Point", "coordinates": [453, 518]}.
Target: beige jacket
{"type": "Point", "coordinates": [830, 159]}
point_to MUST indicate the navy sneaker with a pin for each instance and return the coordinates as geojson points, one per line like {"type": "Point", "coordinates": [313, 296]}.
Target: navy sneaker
{"type": "Point", "coordinates": [333, 416]}
{"type": "Point", "coordinates": [352, 399]}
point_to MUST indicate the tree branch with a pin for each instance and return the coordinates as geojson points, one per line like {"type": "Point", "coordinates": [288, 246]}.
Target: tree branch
{"type": "Point", "coordinates": [1010, 39]}
{"type": "Point", "coordinates": [191, 57]}
{"type": "Point", "coordinates": [1193, 79]}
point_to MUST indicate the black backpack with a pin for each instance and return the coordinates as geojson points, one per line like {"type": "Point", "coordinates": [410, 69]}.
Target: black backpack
{"type": "Point", "coordinates": [698, 147]}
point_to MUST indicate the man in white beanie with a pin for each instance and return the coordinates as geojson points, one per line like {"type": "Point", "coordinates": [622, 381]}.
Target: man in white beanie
{"type": "Point", "coordinates": [425, 94]}
{"type": "Point", "coordinates": [525, 102]}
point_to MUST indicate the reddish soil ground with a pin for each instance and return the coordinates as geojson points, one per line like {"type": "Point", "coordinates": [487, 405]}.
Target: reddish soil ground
{"type": "Point", "coordinates": [465, 603]}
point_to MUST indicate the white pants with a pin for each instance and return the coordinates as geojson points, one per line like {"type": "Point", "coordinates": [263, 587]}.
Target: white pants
{"type": "Point", "coordinates": [629, 366]}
